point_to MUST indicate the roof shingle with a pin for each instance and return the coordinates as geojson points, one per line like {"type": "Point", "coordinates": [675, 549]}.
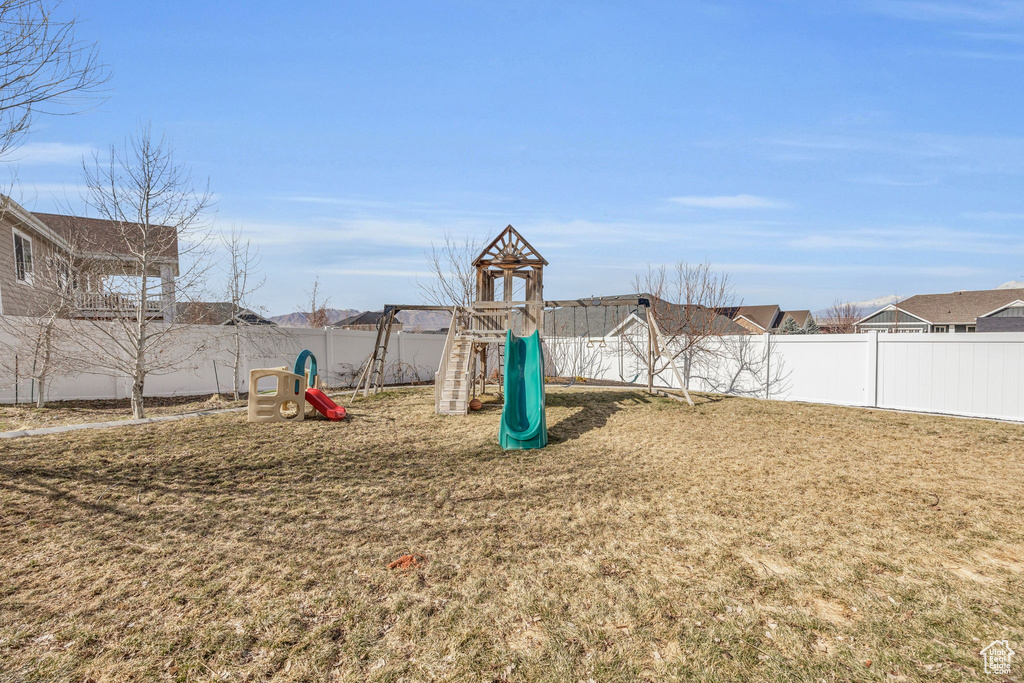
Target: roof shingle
{"type": "Point", "coordinates": [959, 307]}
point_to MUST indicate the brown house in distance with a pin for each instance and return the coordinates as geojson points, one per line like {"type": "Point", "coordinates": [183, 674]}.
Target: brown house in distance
{"type": "Point", "coordinates": [761, 319]}
{"type": "Point", "coordinates": [366, 321]}
{"type": "Point", "coordinates": [45, 256]}
{"type": "Point", "coordinates": [985, 310]}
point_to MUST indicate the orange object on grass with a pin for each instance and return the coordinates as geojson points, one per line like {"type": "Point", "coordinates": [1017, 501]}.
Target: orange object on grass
{"type": "Point", "coordinates": [408, 562]}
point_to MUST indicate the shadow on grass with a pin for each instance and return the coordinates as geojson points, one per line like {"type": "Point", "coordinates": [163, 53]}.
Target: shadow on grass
{"type": "Point", "coordinates": [595, 409]}
{"type": "Point", "coordinates": [700, 399]}
{"type": "Point", "coordinates": [134, 485]}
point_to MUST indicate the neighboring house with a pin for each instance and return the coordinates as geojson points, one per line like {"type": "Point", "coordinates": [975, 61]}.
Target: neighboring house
{"type": "Point", "coordinates": [1006, 318]}
{"type": "Point", "coordinates": [610, 320]}
{"type": "Point", "coordinates": [366, 321]}
{"type": "Point", "coordinates": [217, 313]}
{"type": "Point", "coordinates": [767, 318]}
{"type": "Point", "coordinates": [987, 310]}
{"type": "Point", "coordinates": [46, 258]}
{"type": "Point", "coordinates": [801, 318]}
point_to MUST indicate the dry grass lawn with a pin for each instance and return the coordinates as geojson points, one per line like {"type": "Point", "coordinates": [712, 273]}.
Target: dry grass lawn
{"type": "Point", "coordinates": [738, 540]}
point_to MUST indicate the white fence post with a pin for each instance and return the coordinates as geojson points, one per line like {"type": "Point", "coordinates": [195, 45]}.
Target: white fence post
{"type": "Point", "coordinates": [871, 378]}
{"type": "Point", "coordinates": [767, 336]}
{"type": "Point", "coordinates": [328, 355]}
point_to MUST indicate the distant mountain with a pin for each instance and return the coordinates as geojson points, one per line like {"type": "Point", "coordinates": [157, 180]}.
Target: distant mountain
{"type": "Point", "coordinates": [1012, 284]}
{"type": "Point", "coordinates": [413, 320]}
{"type": "Point", "coordinates": [871, 305]}
{"type": "Point", "coordinates": [299, 319]}
{"type": "Point", "coordinates": [424, 320]}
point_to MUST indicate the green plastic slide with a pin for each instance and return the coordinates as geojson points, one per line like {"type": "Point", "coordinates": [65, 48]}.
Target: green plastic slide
{"type": "Point", "coordinates": [523, 424]}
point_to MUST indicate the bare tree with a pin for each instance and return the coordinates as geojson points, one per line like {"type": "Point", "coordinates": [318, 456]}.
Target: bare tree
{"type": "Point", "coordinates": [316, 314]}
{"type": "Point", "coordinates": [841, 316]}
{"type": "Point", "coordinates": [34, 348]}
{"type": "Point", "coordinates": [578, 342]}
{"type": "Point", "coordinates": [149, 257]}
{"type": "Point", "coordinates": [742, 365]}
{"type": "Point", "coordinates": [44, 68]}
{"type": "Point", "coordinates": [687, 301]}
{"type": "Point", "coordinates": [243, 280]}
{"type": "Point", "coordinates": [453, 277]}
{"type": "Point", "coordinates": [37, 347]}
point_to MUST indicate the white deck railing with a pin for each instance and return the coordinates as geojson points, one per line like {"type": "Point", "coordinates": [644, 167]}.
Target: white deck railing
{"type": "Point", "coordinates": [109, 302]}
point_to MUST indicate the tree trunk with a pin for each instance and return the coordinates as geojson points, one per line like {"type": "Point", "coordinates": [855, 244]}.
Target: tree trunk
{"type": "Point", "coordinates": [139, 373]}
{"type": "Point", "coordinates": [138, 410]}
{"type": "Point", "coordinates": [44, 357]}
{"type": "Point", "coordinates": [687, 364]}
{"type": "Point", "coordinates": [236, 362]}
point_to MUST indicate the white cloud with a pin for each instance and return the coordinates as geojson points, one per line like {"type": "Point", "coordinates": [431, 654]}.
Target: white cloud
{"type": "Point", "coordinates": [878, 302]}
{"type": "Point", "coordinates": [991, 56]}
{"type": "Point", "coordinates": [51, 153]}
{"type": "Point", "coordinates": [886, 181]}
{"type": "Point", "coordinates": [994, 216]}
{"type": "Point", "coordinates": [378, 272]}
{"type": "Point", "coordinates": [737, 201]}
{"type": "Point", "coordinates": [30, 194]}
{"type": "Point", "coordinates": [368, 232]}
{"type": "Point", "coordinates": [337, 201]}
{"type": "Point", "coordinates": [993, 37]}
{"type": "Point", "coordinates": [987, 11]}
{"type": "Point", "coordinates": [925, 239]}
{"type": "Point", "coordinates": [861, 269]}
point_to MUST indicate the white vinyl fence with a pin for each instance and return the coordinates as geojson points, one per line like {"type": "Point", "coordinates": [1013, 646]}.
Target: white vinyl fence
{"type": "Point", "coordinates": [340, 356]}
{"type": "Point", "coordinates": [977, 374]}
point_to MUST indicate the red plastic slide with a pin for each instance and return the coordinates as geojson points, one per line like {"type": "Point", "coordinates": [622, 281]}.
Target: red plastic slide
{"type": "Point", "coordinates": [327, 407]}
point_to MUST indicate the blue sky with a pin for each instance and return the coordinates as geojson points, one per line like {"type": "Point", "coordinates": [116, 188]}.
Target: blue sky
{"type": "Point", "coordinates": [813, 149]}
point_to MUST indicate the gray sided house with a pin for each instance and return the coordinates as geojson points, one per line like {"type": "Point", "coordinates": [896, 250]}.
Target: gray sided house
{"type": "Point", "coordinates": [610, 320]}
{"type": "Point", "coordinates": [1008, 318]}
{"type": "Point", "coordinates": [986, 310]}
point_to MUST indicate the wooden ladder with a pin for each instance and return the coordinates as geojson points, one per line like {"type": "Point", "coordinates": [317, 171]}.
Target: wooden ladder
{"type": "Point", "coordinates": [372, 378]}
{"type": "Point", "coordinates": [454, 396]}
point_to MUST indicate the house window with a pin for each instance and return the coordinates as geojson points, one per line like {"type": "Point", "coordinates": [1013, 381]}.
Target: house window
{"type": "Point", "coordinates": [61, 271]}
{"type": "Point", "coordinates": [940, 328]}
{"type": "Point", "coordinates": [972, 328]}
{"type": "Point", "coordinates": [22, 257]}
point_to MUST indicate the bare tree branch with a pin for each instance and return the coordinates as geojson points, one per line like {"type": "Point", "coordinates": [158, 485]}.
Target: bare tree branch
{"type": "Point", "coordinates": [687, 300]}
{"type": "Point", "coordinates": [44, 68]}
{"type": "Point", "coordinates": [840, 317]}
{"type": "Point", "coordinates": [38, 347]}
{"type": "Point", "coordinates": [317, 316]}
{"type": "Point", "coordinates": [453, 276]}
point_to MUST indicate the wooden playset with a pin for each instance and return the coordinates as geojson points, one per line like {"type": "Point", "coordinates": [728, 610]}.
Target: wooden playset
{"type": "Point", "coordinates": [495, 317]}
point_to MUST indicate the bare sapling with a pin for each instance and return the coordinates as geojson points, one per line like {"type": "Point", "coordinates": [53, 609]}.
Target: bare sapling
{"type": "Point", "coordinates": [242, 260]}
{"type": "Point", "coordinates": [317, 315]}
{"type": "Point", "coordinates": [149, 259]}
{"type": "Point", "coordinates": [687, 300]}
{"type": "Point", "coordinates": [841, 317]}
